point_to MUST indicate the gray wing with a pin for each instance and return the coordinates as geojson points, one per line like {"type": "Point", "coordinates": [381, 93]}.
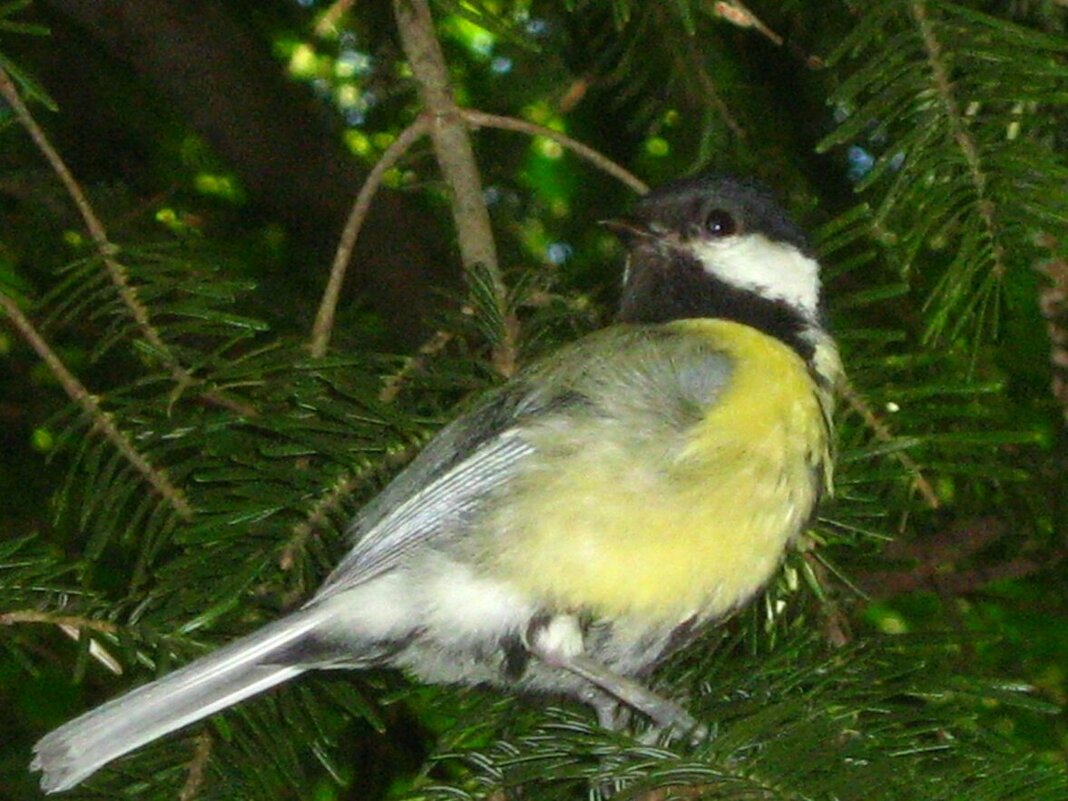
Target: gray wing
{"type": "Point", "coordinates": [670, 379]}
{"type": "Point", "coordinates": [467, 460]}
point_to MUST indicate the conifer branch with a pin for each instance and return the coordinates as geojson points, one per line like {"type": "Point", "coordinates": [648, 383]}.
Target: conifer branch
{"type": "Point", "coordinates": [432, 347]}
{"type": "Point", "coordinates": [456, 158]}
{"type": "Point", "coordinates": [75, 621]}
{"type": "Point", "coordinates": [883, 433]}
{"type": "Point", "coordinates": [90, 405]}
{"type": "Point", "coordinates": [105, 249]}
{"type": "Point", "coordinates": [324, 318]}
{"type": "Point", "coordinates": [195, 775]}
{"type": "Point", "coordinates": [963, 139]}
{"type": "Point", "coordinates": [594, 157]}
{"type": "Point", "coordinates": [689, 61]}
{"type": "Point", "coordinates": [330, 501]}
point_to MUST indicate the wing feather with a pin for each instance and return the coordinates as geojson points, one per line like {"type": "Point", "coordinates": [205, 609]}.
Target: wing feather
{"type": "Point", "coordinates": [466, 461]}
{"type": "Point", "coordinates": [671, 378]}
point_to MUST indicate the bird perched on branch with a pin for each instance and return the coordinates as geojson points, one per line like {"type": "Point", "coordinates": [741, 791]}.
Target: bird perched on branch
{"type": "Point", "coordinates": [584, 520]}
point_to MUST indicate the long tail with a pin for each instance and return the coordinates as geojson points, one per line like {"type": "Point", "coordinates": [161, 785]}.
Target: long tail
{"type": "Point", "coordinates": [236, 671]}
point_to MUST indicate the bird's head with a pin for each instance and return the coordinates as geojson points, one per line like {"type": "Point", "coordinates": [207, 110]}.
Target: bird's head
{"type": "Point", "coordinates": [718, 247]}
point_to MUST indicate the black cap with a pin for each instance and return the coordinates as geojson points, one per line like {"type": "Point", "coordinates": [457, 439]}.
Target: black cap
{"type": "Point", "coordinates": [686, 203]}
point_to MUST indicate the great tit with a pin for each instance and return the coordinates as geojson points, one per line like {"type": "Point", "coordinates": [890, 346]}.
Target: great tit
{"type": "Point", "coordinates": [584, 520]}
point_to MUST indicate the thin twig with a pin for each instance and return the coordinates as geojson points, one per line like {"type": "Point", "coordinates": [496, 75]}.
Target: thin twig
{"type": "Point", "coordinates": [324, 318]}
{"type": "Point", "coordinates": [431, 347]}
{"type": "Point", "coordinates": [456, 158]}
{"type": "Point", "coordinates": [105, 249]}
{"type": "Point", "coordinates": [737, 13]}
{"type": "Point", "coordinates": [331, 500]}
{"type": "Point", "coordinates": [102, 420]}
{"type": "Point", "coordinates": [195, 775]}
{"type": "Point", "coordinates": [835, 626]}
{"type": "Point", "coordinates": [594, 157]}
{"type": "Point", "coordinates": [72, 626]}
{"type": "Point", "coordinates": [883, 433]}
{"type": "Point", "coordinates": [328, 21]}
{"type": "Point", "coordinates": [940, 562]}
{"type": "Point", "coordinates": [36, 616]}
{"type": "Point", "coordinates": [689, 61]}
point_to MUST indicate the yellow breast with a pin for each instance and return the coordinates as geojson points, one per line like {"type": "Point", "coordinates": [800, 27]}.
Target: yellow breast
{"type": "Point", "coordinates": [671, 529]}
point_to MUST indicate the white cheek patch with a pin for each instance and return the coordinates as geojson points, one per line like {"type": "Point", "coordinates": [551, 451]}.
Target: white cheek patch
{"type": "Point", "coordinates": [771, 269]}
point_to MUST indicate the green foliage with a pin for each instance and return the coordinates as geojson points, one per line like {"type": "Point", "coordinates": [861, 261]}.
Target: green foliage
{"type": "Point", "coordinates": [963, 108]}
{"type": "Point", "coordinates": [207, 375]}
{"type": "Point", "coordinates": [794, 722]}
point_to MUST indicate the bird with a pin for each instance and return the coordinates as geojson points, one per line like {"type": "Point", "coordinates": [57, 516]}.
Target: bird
{"type": "Point", "coordinates": [584, 520]}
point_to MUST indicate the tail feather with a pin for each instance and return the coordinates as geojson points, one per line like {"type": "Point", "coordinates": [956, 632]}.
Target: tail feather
{"type": "Point", "coordinates": [237, 671]}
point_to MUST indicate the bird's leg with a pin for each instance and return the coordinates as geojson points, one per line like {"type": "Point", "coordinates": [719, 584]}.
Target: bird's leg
{"type": "Point", "coordinates": [611, 713]}
{"type": "Point", "coordinates": [557, 641]}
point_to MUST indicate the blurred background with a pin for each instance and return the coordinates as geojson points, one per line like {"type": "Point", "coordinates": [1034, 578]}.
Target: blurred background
{"type": "Point", "coordinates": [221, 146]}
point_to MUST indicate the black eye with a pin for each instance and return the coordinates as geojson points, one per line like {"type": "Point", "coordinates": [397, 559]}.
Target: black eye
{"type": "Point", "coordinates": [720, 223]}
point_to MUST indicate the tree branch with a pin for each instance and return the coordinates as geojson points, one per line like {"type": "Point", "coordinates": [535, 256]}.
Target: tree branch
{"type": "Point", "coordinates": [102, 421]}
{"type": "Point", "coordinates": [327, 23]}
{"type": "Point", "coordinates": [97, 233]}
{"type": "Point", "coordinates": [456, 158]}
{"type": "Point", "coordinates": [105, 249]}
{"type": "Point", "coordinates": [594, 157]}
{"type": "Point", "coordinates": [968, 148]}
{"type": "Point", "coordinates": [35, 616]}
{"type": "Point", "coordinates": [324, 318]}
{"type": "Point", "coordinates": [883, 433]}
{"type": "Point", "coordinates": [331, 500]}
{"type": "Point", "coordinates": [937, 563]}
{"type": "Point", "coordinates": [195, 775]}
{"type": "Point", "coordinates": [1053, 302]}
{"type": "Point", "coordinates": [432, 347]}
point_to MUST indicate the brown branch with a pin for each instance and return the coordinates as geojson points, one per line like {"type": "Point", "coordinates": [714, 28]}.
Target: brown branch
{"type": "Point", "coordinates": [835, 622]}
{"type": "Point", "coordinates": [331, 501]}
{"type": "Point", "coordinates": [432, 347]}
{"type": "Point", "coordinates": [72, 626]}
{"type": "Point", "coordinates": [105, 249]}
{"type": "Point", "coordinates": [883, 433]}
{"type": "Point", "coordinates": [329, 19]}
{"type": "Point", "coordinates": [890, 583]}
{"type": "Point", "coordinates": [102, 421]}
{"type": "Point", "coordinates": [195, 775]}
{"type": "Point", "coordinates": [594, 157]}
{"type": "Point", "coordinates": [35, 616]}
{"type": "Point", "coordinates": [324, 318]}
{"type": "Point", "coordinates": [737, 13]}
{"type": "Point", "coordinates": [1053, 303]}
{"type": "Point", "coordinates": [456, 158]}
{"type": "Point", "coordinates": [934, 563]}
{"type": "Point", "coordinates": [950, 546]}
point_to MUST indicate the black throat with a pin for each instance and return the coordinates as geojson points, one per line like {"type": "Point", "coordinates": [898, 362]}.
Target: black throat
{"type": "Point", "coordinates": [659, 293]}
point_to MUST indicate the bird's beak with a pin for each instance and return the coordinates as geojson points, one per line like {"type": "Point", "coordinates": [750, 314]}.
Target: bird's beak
{"type": "Point", "coordinates": [627, 229]}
